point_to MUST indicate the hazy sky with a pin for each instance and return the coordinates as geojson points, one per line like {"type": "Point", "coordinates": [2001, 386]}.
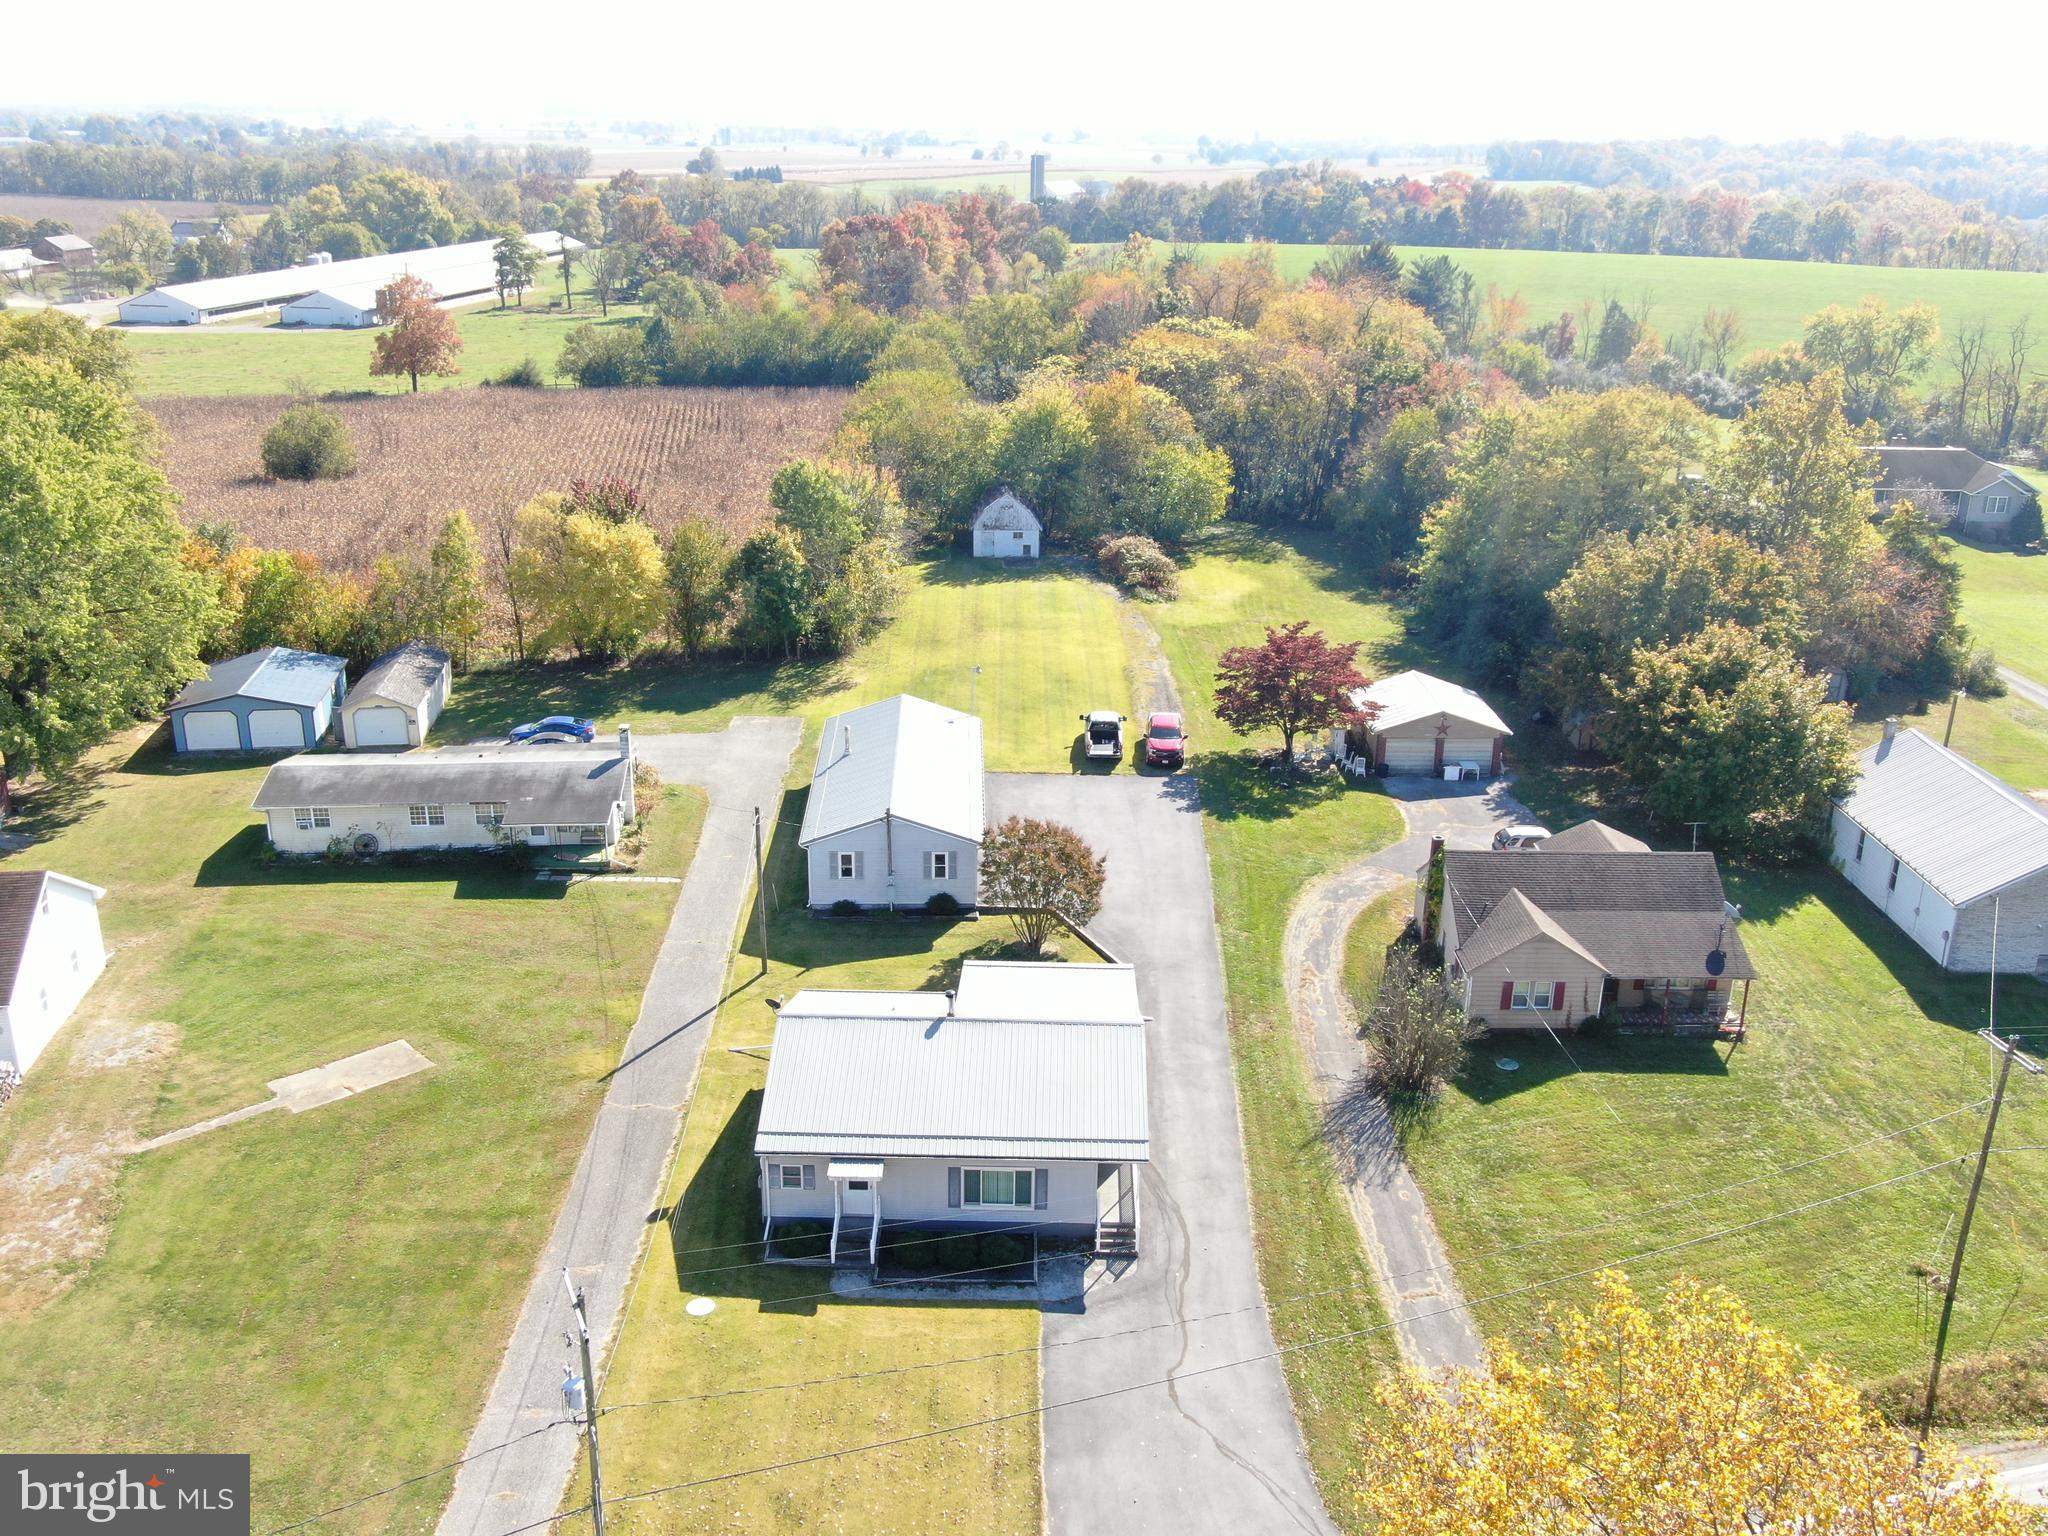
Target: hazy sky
{"type": "Point", "coordinates": [1407, 71]}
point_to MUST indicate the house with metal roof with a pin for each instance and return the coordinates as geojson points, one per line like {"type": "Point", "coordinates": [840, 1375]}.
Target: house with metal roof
{"type": "Point", "coordinates": [894, 817]}
{"type": "Point", "coordinates": [1547, 938]}
{"type": "Point", "coordinates": [1981, 498]}
{"type": "Point", "coordinates": [1016, 1102]}
{"type": "Point", "coordinates": [51, 952]}
{"type": "Point", "coordinates": [1947, 851]}
{"type": "Point", "coordinates": [273, 700]}
{"type": "Point", "coordinates": [569, 801]}
{"type": "Point", "coordinates": [1416, 723]}
{"type": "Point", "coordinates": [395, 703]}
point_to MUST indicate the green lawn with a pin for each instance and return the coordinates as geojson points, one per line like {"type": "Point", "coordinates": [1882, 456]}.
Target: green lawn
{"type": "Point", "coordinates": [1051, 641]}
{"type": "Point", "coordinates": [2006, 735]}
{"type": "Point", "coordinates": [1267, 839]}
{"type": "Point", "coordinates": [772, 1326]}
{"type": "Point", "coordinates": [1773, 297]}
{"type": "Point", "coordinates": [2005, 602]}
{"type": "Point", "coordinates": [330, 1292]}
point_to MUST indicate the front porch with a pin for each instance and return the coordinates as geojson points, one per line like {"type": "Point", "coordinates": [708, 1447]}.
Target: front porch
{"type": "Point", "coordinates": [1681, 1008]}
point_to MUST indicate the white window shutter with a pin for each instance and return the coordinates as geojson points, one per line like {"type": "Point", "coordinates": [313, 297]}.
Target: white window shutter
{"type": "Point", "coordinates": [1039, 1177]}
{"type": "Point", "coordinates": [832, 867]}
{"type": "Point", "coordinates": [952, 1189]}
{"type": "Point", "coordinates": [775, 1175]}
{"type": "Point", "coordinates": [810, 1175]}
{"type": "Point", "coordinates": [859, 865]}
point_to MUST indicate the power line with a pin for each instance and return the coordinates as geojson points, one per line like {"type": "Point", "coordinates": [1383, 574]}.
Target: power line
{"type": "Point", "coordinates": [418, 1477]}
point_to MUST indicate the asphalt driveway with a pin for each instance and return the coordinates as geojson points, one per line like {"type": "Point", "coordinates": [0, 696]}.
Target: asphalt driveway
{"type": "Point", "coordinates": [1219, 1452]}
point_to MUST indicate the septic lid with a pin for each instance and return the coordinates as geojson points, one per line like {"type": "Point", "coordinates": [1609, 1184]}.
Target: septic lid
{"type": "Point", "coordinates": [1507, 1064]}
{"type": "Point", "coordinates": [700, 1306]}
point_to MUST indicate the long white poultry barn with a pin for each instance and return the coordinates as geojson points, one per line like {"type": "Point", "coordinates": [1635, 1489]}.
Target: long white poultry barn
{"type": "Point", "coordinates": [334, 293]}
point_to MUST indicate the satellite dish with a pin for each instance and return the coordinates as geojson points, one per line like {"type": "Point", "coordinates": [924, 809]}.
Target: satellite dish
{"type": "Point", "coordinates": [1717, 961]}
{"type": "Point", "coordinates": [364, 844]}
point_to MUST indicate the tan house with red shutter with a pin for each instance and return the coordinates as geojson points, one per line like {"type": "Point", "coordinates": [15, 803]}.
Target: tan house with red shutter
{"type": "Point", "coordinates": [1542, 938]}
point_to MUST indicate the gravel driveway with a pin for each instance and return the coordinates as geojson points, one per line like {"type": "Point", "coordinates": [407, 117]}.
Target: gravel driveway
{"type": "Point", "coordinates": [1218, 1452]}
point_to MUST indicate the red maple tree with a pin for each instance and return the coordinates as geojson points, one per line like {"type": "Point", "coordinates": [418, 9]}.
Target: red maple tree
{"type": "Point", "coordinates": [1296, 680]}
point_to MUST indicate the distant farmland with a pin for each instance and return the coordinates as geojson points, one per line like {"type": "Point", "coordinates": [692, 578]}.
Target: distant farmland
{"type": "Point", "coordinates": [711, 451]}
{"type": "Point", "coordinates": [1773, 297]}
{"type": "Point", "coordinates": [89, 215]}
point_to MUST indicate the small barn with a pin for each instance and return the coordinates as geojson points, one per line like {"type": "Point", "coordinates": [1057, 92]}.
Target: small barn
{"type": "Point", "coordinates": [51, 952]}
{"type": "Point", "coordinates": [1423, 724]}
{"type": "Point", "coordinates": [894, 816]}
{"type": "Point", "coordinates": [71, 251]}
{"type": "Point", "coordinates": [1006, 528]}
{"type": "Point", "coordinates": [273, 700]}
{"type": "Point", "coordinates": [1947, 850]}
{"type": "Point", "coordinates": [396, 702]}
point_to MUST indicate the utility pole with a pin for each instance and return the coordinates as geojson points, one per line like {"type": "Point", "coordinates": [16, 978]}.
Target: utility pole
{"type": "Point", "coordinates": [2009, 1051]}
{"type": "Point", "coordinates": [1950, 729]}
{"type": "Point", "coordinates": [760, 891]}
{"type": "Point", "coordinates": [1695, 825]}
{"type": "Point", "coordinates": [589, 1405]}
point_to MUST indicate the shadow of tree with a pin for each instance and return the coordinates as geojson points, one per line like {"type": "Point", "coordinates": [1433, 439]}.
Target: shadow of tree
{"type": "Point", "coordinates": [1260, 786]}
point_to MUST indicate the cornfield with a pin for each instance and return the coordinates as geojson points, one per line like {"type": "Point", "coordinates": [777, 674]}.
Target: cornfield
{"type": "Point", "coordinates": [708, 451]}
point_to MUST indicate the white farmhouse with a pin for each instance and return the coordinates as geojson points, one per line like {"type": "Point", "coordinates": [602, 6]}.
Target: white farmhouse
{"type": "Point", "coordinates": [574, 801]}
{"type": "Point", "coordinates": [1943, 848]}
{"type": "Point", "coordinates": [51, 952]}
{"type": "Point", "coordinates": [396, 702]}
{"type": "Point", "coordinates": [1006, 528]}
{"type": "Point", "coordinates": [894, 816]}
{"type": "Point", "coordinates": [1017, 1102]}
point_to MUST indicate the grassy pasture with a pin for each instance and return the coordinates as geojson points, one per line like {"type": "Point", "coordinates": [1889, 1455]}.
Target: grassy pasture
{"type": "Point", "coordinates": [2005, 602]}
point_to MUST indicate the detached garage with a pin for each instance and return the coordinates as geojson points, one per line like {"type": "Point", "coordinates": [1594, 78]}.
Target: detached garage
{"type": "Point", "coordinates": [1423, 724]}
{"type": "Point", "coordinates": [396, 702]}
{"type": "Point", "coordinates": [274, 700]}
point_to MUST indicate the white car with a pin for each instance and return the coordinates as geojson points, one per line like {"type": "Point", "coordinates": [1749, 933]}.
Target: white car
{"type": "Point", "coordinates": [1102, 736]}
{"type": "Point", "coordinates": [1522, 835]}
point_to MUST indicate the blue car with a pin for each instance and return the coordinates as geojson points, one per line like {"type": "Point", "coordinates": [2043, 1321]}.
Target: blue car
{"type": "Point", "coordinates": [556, 728]}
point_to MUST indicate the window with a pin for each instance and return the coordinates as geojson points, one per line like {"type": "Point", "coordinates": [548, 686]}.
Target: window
{"type": "Point", "coordinates": [792, 1175]}
{"type": "Point", "coordinates": [489, 813]}
{"type": "Point", "coordinates": [309, 817]}
{"type": "Point", "coordinates": [1892, 884]}
{"type": "Point", "coordinates": [428, 816]}
{"type": "Point", "coordinates": [1859, 845]}
{"type": "Point", "coordinates": [594, 836]}
{"type": "Point", "coordinates": [942, 866]}
{"type": "Point", "coordinates": [1532, 996]}
{"type": "Point", "coordinates": [846, 866]}
{"type": "Point", "coordinates": [1010, 1187]}
{"type": "Point", "coordinates": [856, 1186]}
{"type": "Point", "coordinates": [1997, 506]}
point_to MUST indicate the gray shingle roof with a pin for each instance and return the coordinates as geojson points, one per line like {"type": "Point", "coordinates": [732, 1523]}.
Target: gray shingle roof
{"type": "Point", "coordinates": [904, 757]}
{"type": "Point", "coordinates": [276, 675]}
{"type": "Point", "coordinates": [20, 889]}
{"type": "Point", "coordinates": [881, 1080]}
{"type": "Point", "coordinates": [1964, 831]}
{"type": "Point", "coordinates": [1945, 469]}
{"type": "Point", "coordinates": [405, 675]}
{"type": "Point", "coordinates": [541, 785]}
{"type": "Point", "coordinates": [1513, 922]}
{"type": "Point", "coordinates": [1639, 914]}
{"type": "Point", "coordinates": [1592, 837]}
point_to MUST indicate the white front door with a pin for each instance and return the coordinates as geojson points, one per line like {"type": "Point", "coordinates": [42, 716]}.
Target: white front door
{"type": "Point", "coordinates": [858, 1198]}
{"type": "Point", "coordinates": [271, 729]}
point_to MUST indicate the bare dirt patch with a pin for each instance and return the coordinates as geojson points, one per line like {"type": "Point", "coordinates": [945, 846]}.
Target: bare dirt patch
{"type": "Point", "coordinates": [707, 451]}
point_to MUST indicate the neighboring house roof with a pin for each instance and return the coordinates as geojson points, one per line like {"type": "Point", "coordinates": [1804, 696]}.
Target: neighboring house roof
{"type": "Point", "coordinates": [883, 1076]}
{"type": "Point", "coordinates": [568, 786]}
{"type": "Point", "coordinates": [405, 675]}
{"type": "Point", "coordinates": [275, 675]}
{"type": "Point", "coordinates": [1964, 831]}
{"type": "Point", "coordinates": [1945, 469]}
{"type": "Point", "coordinates": [1006, 509]}
{"type": "Point", "coordinates": [1410, 696]}
{"type": "Point", "coordinates": [905, 758]}
{"type": "Point", "coordinates": [21, 892]}
{"type": "Point", "coordinates": [1636, 914]}
{"type": "Point", "coordinates": [19, 258]}
{"type": "Point", "coordinates": [1592, 837]}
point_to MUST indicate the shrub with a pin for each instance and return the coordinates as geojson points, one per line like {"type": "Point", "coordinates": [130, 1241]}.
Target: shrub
{"type": "Point", "coordinates": [309, 442]}
{"type": "Point", "coordinates": [1417, 1034]}
{"type": "Point", "coordinates": [943, 904]}
{"type": "Point", "coordinates": [1978, 675]}
{"type": "Point", "coordinates": [846, 906]}
{"type": "Point", "coordinates": [524, 374]}
{"type": "Point", "coordinates": [913, 1250]}
{"type": "Point", "coordinates": [954, 1255]}
{"type": "Point", "coordinates": [601, 356]}
{"type": "Point", "coordinates": [1002, 1248]}
{"type": "Point", "coordinates": [1139, 564]}
{"type": "Point", "coordinates": [2026, 524]}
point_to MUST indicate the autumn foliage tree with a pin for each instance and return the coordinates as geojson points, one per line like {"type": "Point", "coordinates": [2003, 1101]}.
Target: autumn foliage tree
{"type": "Point", "coordinates": [1296, 680]}
{"type": "Point", "coordinates": [1045, 872]}
{"type": "Point", "coordinates": [419, 336]}
{"type": "Point", "coordinates": [1691, 1417]}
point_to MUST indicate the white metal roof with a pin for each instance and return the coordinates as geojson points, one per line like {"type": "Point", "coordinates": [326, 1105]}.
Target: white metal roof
{"type": "Point", "coordinates": [872, 1078]}
{"type": "Point", "coordinates": [1028, 989]}
{"type": "Point", "coordinates": [276, 674]}
{"type": "Point", "coordinates": [469, 267]}
{"type": "Point", "coordinates": [1967, 833]}
{"type": "Point", "coordinates": [905, 758]}
{"type": "Point", "coordinates": [1410, 696]}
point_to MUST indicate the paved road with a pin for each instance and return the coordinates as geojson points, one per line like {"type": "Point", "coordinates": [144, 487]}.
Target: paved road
{"type": "Point", "coordinates": [2033, 692]}
{"type": "Point", "coordinates": [603, 1223]}
{"type": "Point", "coordinates": [2022, 1470]}
{"type": "Point", "coordinates": [1415, 1276]}
{"type": "Point", "coordinates": [1220, 1452]}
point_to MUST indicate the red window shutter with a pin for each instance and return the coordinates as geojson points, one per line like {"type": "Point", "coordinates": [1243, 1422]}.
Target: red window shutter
{"type": "Point", "coordinates": [1507, 994]}
{"type": "Point", "coordinates": [1557, 998]}
{"type": "Point", "coordinates": [1713, 984]}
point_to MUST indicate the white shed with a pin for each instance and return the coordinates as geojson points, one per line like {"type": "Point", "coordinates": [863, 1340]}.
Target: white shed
{"type": "Point", "coordinates": [1006, 528]}
{"type": "Point", "coordinates": [1422, 724]}
{"type": "Point", "coordinates": [894, 815]}
{"type": "Point", "coordinates": [1013, 1105]}
{"type": "Point", "coordinates": [395, 703]}
{"type": "Point", "coordinates": [51, 952]}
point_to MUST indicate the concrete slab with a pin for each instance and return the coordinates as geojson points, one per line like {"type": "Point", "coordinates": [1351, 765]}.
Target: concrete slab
{"type": "Point", "coordinates": [301, 1091]}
